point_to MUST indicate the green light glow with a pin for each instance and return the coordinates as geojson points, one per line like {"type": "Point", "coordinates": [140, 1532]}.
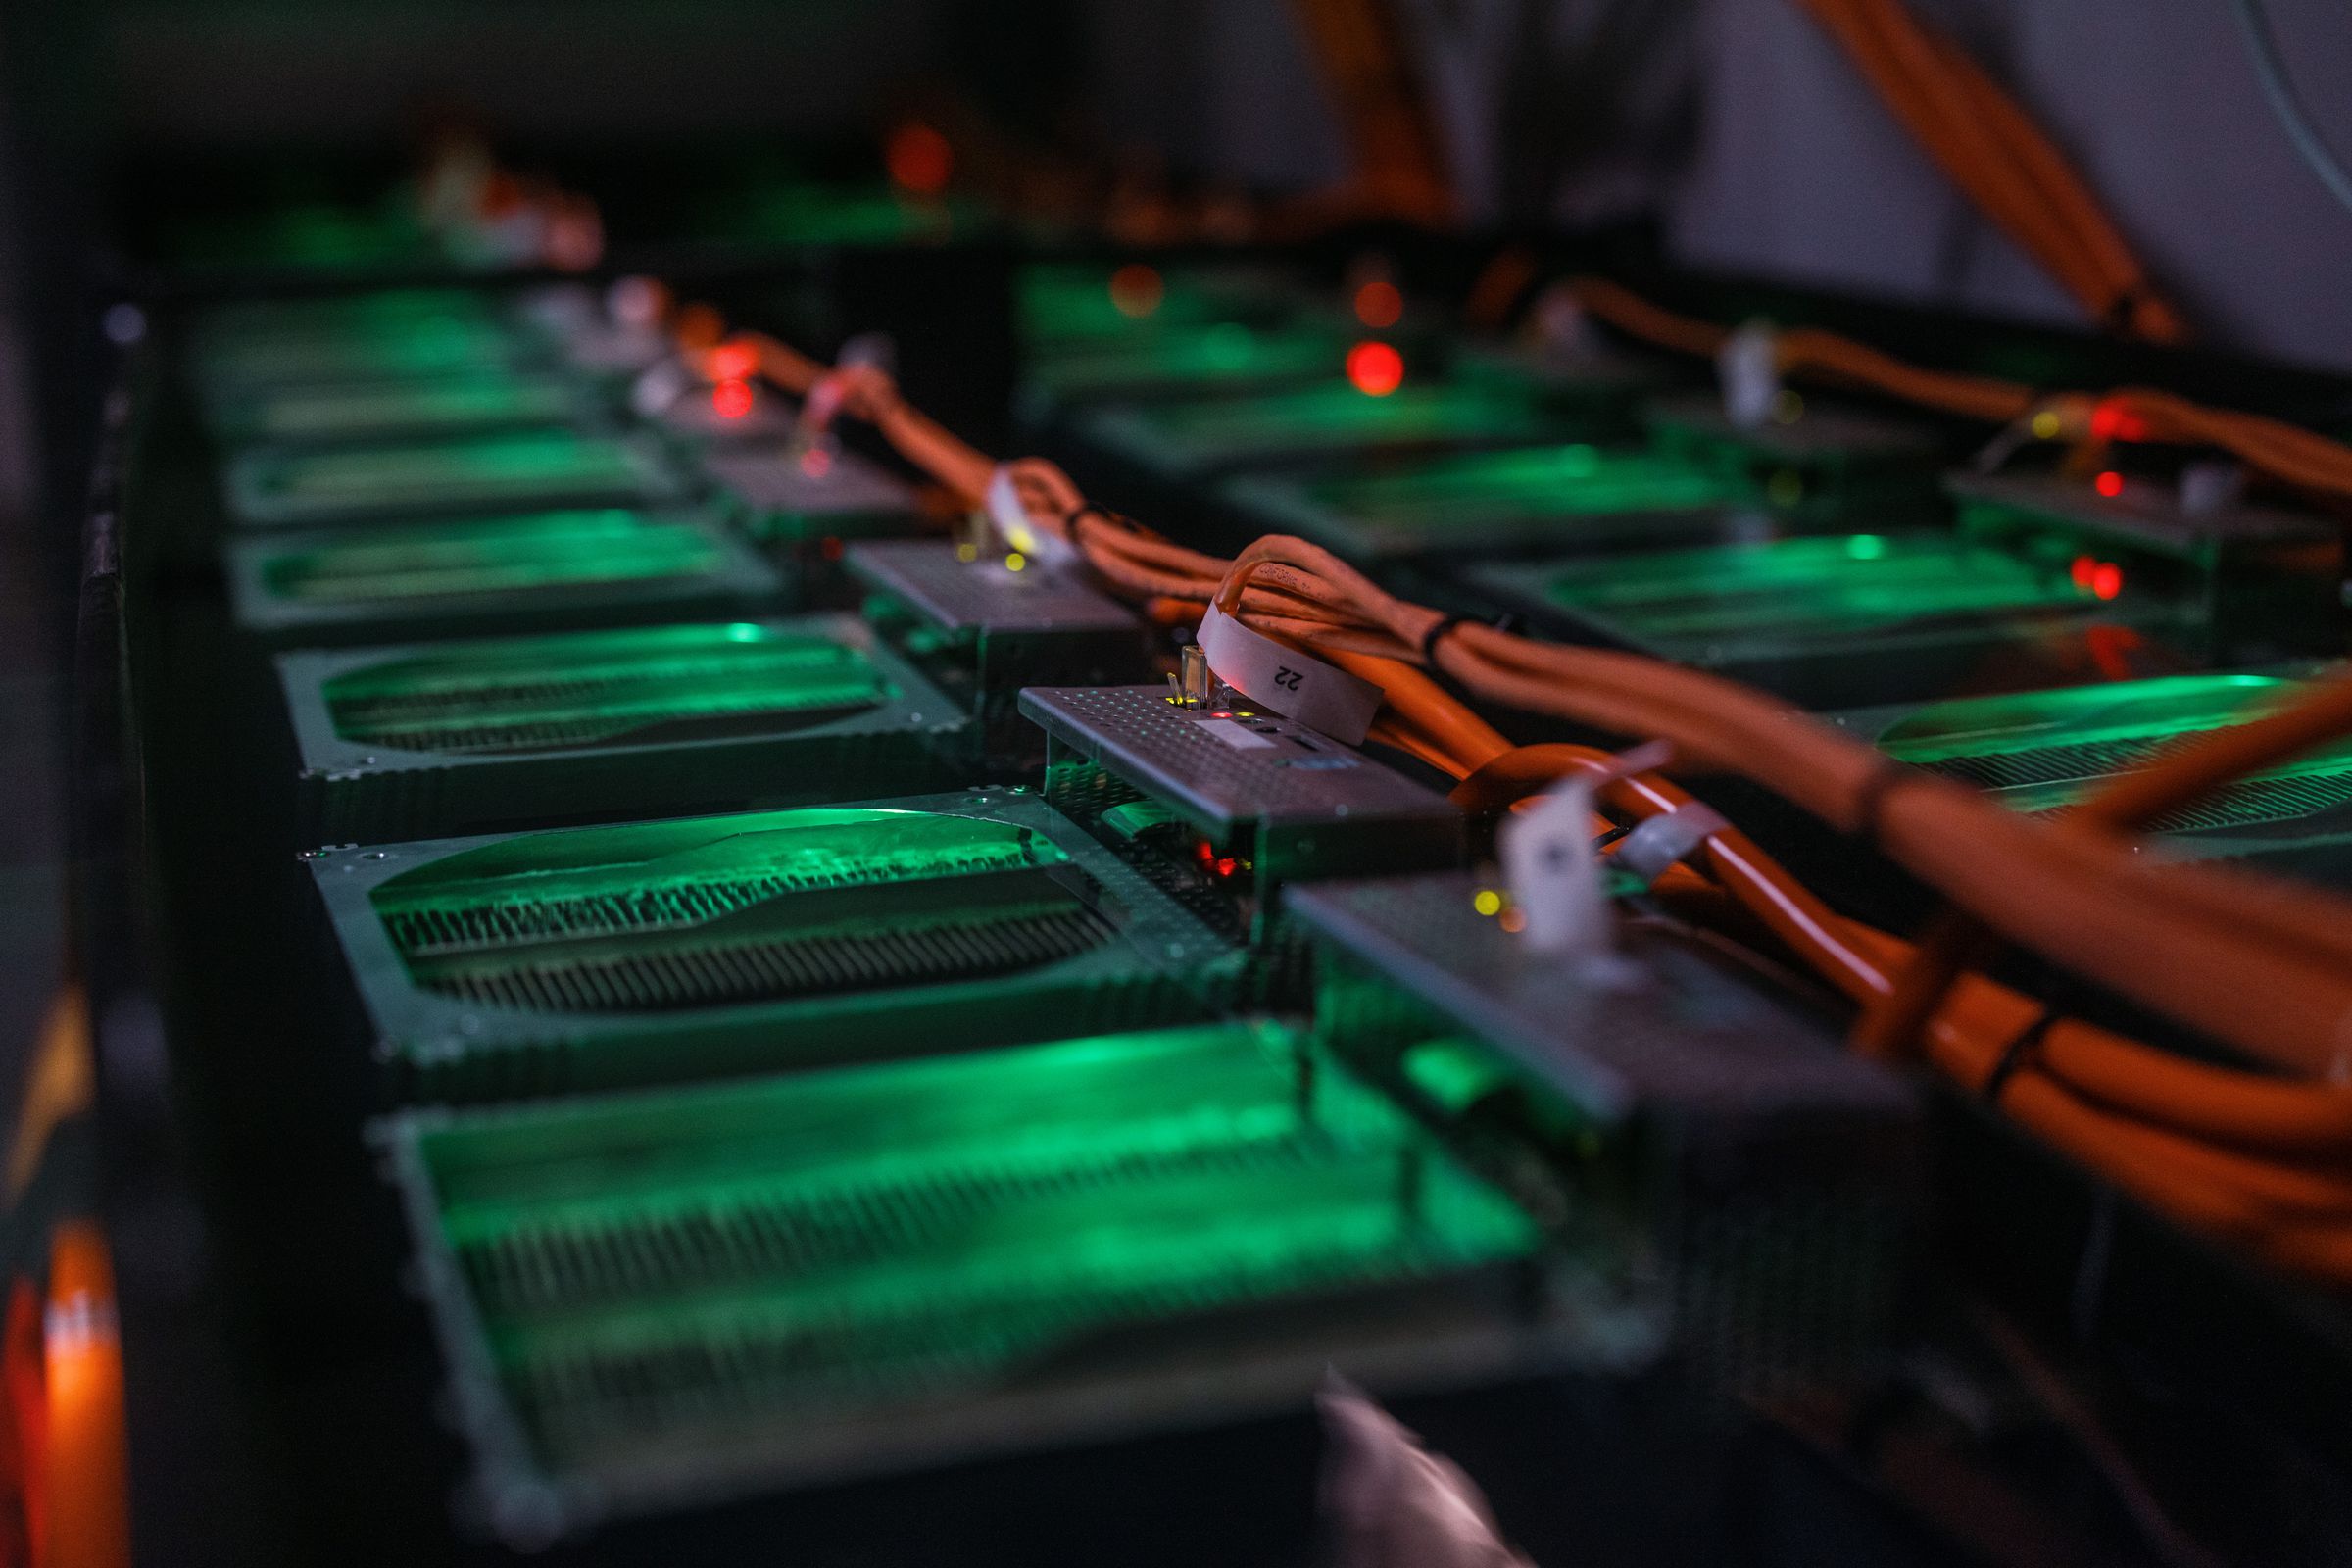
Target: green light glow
{"type": "Point", "coordinates": [656, 916]}
{"type": "Point", "coordinates": [1233, 428]}
{"type": "Point", "coordinates": [1800, 587]}
{"type": "Point", "coordinates": [472, 557]}
{"type": "Point", "coordinates": [478, 398]}
{"type": "Point", "coordinates": [596, 688]}
{"type": "Point", "coordinates": [1577, 480]}
{"type": "Point", "coordinates": [483, 471]}
{"type": "Point", "coordinates": [793, 1252]}
{"type": "Point", "coordinates": [2043, 749]}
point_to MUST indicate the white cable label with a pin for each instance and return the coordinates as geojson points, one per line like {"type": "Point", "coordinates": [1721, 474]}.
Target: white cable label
{"type": "Point", "coordinates": [662, 385]}
{"type": "Point", "coordinates": [1291, 683]}
{"type": "Point", "coordinates": [1554, 877]}
{"type": "Point", "coordinates": [1011, 520]}
{"type": "Point", "coordinates": [1748, 367]}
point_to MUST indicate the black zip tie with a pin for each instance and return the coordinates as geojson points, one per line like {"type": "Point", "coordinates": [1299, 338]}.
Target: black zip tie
{"type": "Point", "coordinates": [1874, 791]}
{"type": "Point", "coordinates": [1445, 628]}
{"type": "Point", "coordinates": [2013, 1055]}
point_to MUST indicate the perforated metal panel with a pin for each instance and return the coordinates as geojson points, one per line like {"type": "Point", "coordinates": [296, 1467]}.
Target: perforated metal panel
{"type": "Point", "coordinates": [960, 596]}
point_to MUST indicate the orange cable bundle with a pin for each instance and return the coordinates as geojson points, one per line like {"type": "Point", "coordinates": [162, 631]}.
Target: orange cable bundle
{"type": "Point", "coordinates": [1994, 153]}
{"type": "Point", "coordinates": [2258, 1155]}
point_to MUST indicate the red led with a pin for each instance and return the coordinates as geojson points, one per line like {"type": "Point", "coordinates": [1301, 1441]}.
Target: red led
{"type": "Point", "coordinates": [2107, 580]}
{"type": "Point", "coordinates": [816, 463]}
{"type": "Point", "coordinates": [733, 361]}
{"type": "Point", "coordinates": [1375, 369]}
{"type": "Point", "coordinates": [1227, 867]}
{"type": "Point", "coordinates": [2109, 483]}
{"type": "Point", "coordinates": [2109, 421]}
{"type": "Point", "coordinates": [731, 400]}
{"type": "Point", "coordinates": [1379, 304]}
{"type": "Point", "coordinates": [1136, 290]}
{"type": "Point", "coordinates": [919, 159]}
{"type": "Point", "coordinates": [829, 546]}
{"type": "Point", "coordinates": [2080, 571]}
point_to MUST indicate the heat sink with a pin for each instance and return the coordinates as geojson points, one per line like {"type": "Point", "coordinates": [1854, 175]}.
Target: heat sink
{"type": "Point", "coordinates": [388, 334]}
{"type": "Point", "coordinates": [463, 402]}
{"type": "Point", "coordinates": [2042, 752]}
{"type": "Point", "coordinates": [1847, 621]}
{"type": "Point", "coordinates": [697, 1293]}
{"type": "Point", "coordinates": [272, 487]}
{"type": "Point", "coordinates": [1740, 1187]}
{"type": "Point", "coordinates": [443, 738]}
{"type": "Point", "coordinates": [536, 571]}
{"type": "Point", "coordinates": [1814, 453]}
{"type": "Point", "coordinates": [1202, 438]}
{"type": "Point", "coordinates": [651, 952]}
{"type": "Point", "coordinates": [1515, 502]}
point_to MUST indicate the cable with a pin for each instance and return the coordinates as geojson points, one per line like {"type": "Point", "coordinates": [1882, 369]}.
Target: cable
{"type": "Point", "coordinates": [2269, 68]}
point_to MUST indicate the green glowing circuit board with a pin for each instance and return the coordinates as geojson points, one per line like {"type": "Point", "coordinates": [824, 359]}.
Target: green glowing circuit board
{"type": "Point", "coordinates": [392, 335]}
{"type": "Point", "coordinates": [450, 737]}
{"type": "Point", "coordinates": [885, 1267]}
{"type": "Point", "coordinates": [1515, 501]}
{"type": "Point", "coordinates": [1196, 437]}
{"type": "Point", "coordinates": [2043, 751]}
{"type": "Point", "coordinates": [1848, 619]}
{"type": "Point", "coordinates": [537, 570]}
{"type": "Point", "coordinates": [650, 951]}
{"type": "Point", "coordinates": [553, 467]}
{"type": "Point", "coordinates": [458, 403]}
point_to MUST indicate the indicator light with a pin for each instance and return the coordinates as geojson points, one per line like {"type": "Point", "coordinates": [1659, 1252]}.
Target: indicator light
{"type": "Point", "coordinates": [1015, 561]}
{"type": "Point", "coordinates": [1136, 290]}
{"type": "Point", "coordinates": [1375, 369]}
{"type": "Point", "coordinates": [2078, 571]}
{"type": "Point", "coordinates": [1488, 902]}
{"type": "Point", "coordinates": [731, 400]}
{"type": "Point", "coordinates": [2107, 579]}
{"type": "Point", "coordinates": [919, 159]}
{"type": "Point", "coordinates": [733, 361]}
{"type": "Point", "coordinates": [1379, 304]}
{"type": "Point", "coordinates": [816, 463]}
{"type": "Point", "coordinates": [2109, 423]}
{"type": "Point", "coordinates": [2109, 485]}
{"type": "Point", "coordinates": [1865, 547]}
{"type": "Point", "coordinates": [2047, 426]}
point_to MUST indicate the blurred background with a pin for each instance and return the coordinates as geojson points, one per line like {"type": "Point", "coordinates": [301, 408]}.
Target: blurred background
{"type": "Point", "coordinates": [141, 139]}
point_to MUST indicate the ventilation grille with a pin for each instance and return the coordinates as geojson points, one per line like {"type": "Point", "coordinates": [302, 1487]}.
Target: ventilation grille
{"type": "Point", "coordinates": [2249, 803]}
{"type": "Point", "coordinates": [583, 699]}
{"type": "Point", "coordinates": [993, 1296]}
{"type": "Point", "coordinates": [590, 1261]}
{"type": "Point", "coordinates": [456, 924]}
{"type": "Point", "coordinates": [957, 945]}
{"type": "Point", "coordinates": [798, 905]}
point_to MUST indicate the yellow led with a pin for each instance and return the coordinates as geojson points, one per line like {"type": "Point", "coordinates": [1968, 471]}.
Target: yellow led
{"type": "Point", "coordinates": [1015, 561]}
{"type": "Point", "coordinates": [1488, 902]}
{"type": "Point", "coordinates": [2047, 426]}
{"type": "Point", "coordinates": [967, 553]}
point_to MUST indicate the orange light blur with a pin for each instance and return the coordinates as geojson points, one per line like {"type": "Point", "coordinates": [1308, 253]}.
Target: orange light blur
{"type": "Point", "coordinates": [1375, 369]}
{"type": "Point", "coordinates": [733, 361]}
{"type": "Point", "coordinates": [1136, 290]}
{"type": "Point", "coordinates": [2109, 483]}
{"type": "Point", "coordinates": [1379, 304]}
{"type": "Point", "coordinates": [87, 1479]}
{"type": "Point", "coordinates": [731, 400]}
{"type": "Point", "coordinates": [919, 159]}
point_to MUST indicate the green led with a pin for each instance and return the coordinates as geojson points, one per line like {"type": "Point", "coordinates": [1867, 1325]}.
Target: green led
{"type": "Point", "coordinates": [591, 688]}
{"type": "Point", "coordinates": [1865, 547]}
